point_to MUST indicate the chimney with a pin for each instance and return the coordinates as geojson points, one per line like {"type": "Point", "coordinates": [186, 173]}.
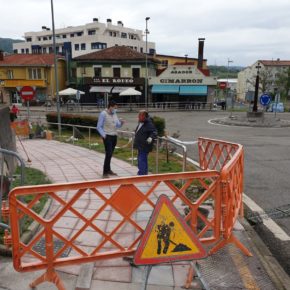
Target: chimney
{"type": "Point", "coordinates": [109, 21]}
{"type": "Point", "coordinates": [43, 27]}
{"type": "Point", "coordinates": [120, 23]}
{"type": "Point", "coordinates": [95, 20]}
{"type": "Point", "coordinates": [200, 52]}
{"type": "Point", "coordinates": [1, 55]}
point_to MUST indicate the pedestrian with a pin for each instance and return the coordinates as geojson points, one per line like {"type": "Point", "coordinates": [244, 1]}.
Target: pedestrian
{"type": "Point", "coordinates": [145, 134]}
{"type": "Point", "coordinates": [14, 112]}
{"type": "Point", "coordinates": [108, 123]}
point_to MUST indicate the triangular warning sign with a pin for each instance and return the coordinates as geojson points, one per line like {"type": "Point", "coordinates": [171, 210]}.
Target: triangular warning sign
{"type": "Point", "coordinates": [167, 237]}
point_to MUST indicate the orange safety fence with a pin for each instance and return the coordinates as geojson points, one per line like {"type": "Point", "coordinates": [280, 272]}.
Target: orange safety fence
{"type": "Point", "coordinates": [110, 216]}
{"type": "Point", "coordinates": [107, 218]}
{"type": "Point", "coordinates": [228, 158]}
{"type": "Point", "coordinates": [21, 128]}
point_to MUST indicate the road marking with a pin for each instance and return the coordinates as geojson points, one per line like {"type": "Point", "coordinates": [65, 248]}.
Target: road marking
{"type": "Point", "coordinates": [245, 273]}
{"type": "Point", "coordinates": [267, 221]}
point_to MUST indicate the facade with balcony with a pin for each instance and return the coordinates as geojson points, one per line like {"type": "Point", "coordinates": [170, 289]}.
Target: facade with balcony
{"type": "Point", "coordinates": [110, 71]}
{"type": "Point", "coordinates": [74, 41]}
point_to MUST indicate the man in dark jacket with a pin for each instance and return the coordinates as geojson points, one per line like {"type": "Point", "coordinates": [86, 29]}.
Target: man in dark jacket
{"type": "Point", "coordinates": [145, 134]}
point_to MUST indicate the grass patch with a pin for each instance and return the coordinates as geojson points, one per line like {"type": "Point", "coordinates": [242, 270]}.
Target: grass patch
{"type": "Point", "coordinates": [31, 177]}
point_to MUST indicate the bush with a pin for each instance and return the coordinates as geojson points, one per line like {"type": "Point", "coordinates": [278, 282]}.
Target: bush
{"type": "Point", "coordinates": [73, 119]}
{"type": "Point", "coordinates": [159, 124]}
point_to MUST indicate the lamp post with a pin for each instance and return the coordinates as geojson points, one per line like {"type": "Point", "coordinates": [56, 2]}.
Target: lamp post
{"type": "Point", "coordinates": [55, 71]}
{"type": "Point", "coordinates": [255, 107]}
{"type": "Point", "coordinates": [146, 64]}
{"type": "Point", "coordinates": [228, 88]}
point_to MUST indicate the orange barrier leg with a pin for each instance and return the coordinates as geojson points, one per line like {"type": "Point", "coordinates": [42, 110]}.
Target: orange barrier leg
{"type": "Point", "coordinates": [48, 276]}
{"type": "Point", "coordinates": [189, 279]}
{"type": "Point", "coordinates": [232, 239]}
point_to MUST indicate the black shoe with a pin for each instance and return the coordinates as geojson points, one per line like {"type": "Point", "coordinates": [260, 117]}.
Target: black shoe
{"type": "Point", "coordinates": [112, 173]}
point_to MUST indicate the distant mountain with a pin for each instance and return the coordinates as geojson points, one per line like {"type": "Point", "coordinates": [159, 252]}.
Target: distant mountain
{"type": "Point", "coordinates": [6, 44]}
{"type": "Point", "coordinates": [223, 71]}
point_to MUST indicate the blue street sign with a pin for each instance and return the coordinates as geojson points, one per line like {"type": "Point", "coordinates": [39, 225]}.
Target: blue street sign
{"type": "Point", "coordinates": [265, 100]}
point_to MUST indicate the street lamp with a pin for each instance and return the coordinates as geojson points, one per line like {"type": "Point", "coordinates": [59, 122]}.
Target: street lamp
{"type": "Point", "coordinates": [228, 88]}
{"type": "Point", "coordinates": [255, 107]}
{"type": "Point", "coordinates": [146, 64]}
{"type": "Point", "coordinates": [55, 71]}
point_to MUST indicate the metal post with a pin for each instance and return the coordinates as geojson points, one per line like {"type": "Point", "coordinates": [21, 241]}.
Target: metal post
{"type": "Point", "coordinates": [146, 64]}
{"type": "Point", "coordinates": [55, 72]}
{"type": "Point", "coordinates": [157, 155]}
{"type": "Point", "coordinates": [228, 71]}
{"type": "Point", "coordinates": [255, 107]}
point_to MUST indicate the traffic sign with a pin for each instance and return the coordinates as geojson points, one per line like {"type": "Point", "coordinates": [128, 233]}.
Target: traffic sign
{"type": "Point", "coordinates": [265, 100]}
{"type": "Point", "coordinates": [222, 85]}
{"type": "Point", "coordinates": [167, 237]}
{"type": "Point", "coordinates": [27, 93]}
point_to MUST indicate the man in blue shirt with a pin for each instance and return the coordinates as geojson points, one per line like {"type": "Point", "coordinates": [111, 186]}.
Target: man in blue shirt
{"type": "Point", "coordinates": [108, 123]}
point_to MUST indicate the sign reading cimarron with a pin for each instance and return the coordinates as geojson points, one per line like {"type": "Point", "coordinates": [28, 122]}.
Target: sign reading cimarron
{"type": "Point", "coordinates": [181, 81]}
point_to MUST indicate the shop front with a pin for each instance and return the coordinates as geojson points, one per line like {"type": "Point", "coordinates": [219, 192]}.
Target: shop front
{"type": "Point", "coordinates": [183, 84]}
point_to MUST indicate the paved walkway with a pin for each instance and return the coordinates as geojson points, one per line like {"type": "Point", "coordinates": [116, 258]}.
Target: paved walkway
{"type": "Point", "coordinates": [227, 269]}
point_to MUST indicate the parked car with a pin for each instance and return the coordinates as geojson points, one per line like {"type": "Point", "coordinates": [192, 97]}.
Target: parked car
{"type": "Point", "coordinates": [276, 107]}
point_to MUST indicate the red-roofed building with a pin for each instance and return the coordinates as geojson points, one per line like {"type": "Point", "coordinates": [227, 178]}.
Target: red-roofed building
{"type": "Point", "coordinates": [34, 70]}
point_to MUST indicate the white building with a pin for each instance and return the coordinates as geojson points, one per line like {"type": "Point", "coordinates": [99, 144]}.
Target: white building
{"type": "Point", "coordinates": [84, 39]}
{"type": "Point", "coordinates": [269, 73]}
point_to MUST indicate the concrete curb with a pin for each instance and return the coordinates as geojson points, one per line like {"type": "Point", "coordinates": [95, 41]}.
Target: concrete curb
{"type": "Point", "coordinates": [276, 273]}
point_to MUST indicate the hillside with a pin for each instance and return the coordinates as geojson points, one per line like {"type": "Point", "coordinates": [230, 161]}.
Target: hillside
{"type": "Point", "coordinates": [6, 44]}
{"type": "Point", "coordinates": [222, 71]}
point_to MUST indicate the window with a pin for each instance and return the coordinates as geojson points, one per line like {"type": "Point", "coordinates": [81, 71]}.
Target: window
{"type": "Point", "coordinates": [72, 35]}
{"type": "Point", "coordinates": [64, 36]}
{"type": "Point", "coordinates": [113, 33]}
{"type": "Point", "coordinates": [164, 63]}
{"type": "Point", "coordinates": [98, 72]}
{"type": "Point", "coordinates": [10, 74]}
{"type": "Point", "coordinates": [79, 33]}
{"type": "Point", "coordinates": [83, 46]}
{"type": "Point", "coordinates": [27, 50]}
{"type": "Point", "coordinates": [44, 37]}
{"type": "Point", "coordinates": [77, 46]}
{"type": "Point", "coordinates": [91, 32]}
{"type": "Point", "coordinates": [44, 50]}
{"type": "Point", "coordinates": [116, 72]}
{"type": "Point", "coordinates": [22, 50]}
{"type": "Point", "coordinates": [15, 51]}
{"type": "Point", "coordinates": [98, 45]}
{"type": "Point", "coordinates": [141, 49]}
{"type": "Point", "coordinates": [34, 73]}
{"type": "Point", "coordinates": [123, 35]}
{"type": "Point", "coordinates": [136, 72]}
{"type": "Point", "coordinates": [50, 49]}
{"type": "Point", "coordinates": [28, 39]}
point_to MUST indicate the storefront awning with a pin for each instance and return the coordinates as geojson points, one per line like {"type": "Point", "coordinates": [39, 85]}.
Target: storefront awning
{"type": "Point", "coordinates": [165, 89]}
{"type": "Point", "coordinates": [105, 89]}
{"type": "Point", "coordinates": [193, 91]}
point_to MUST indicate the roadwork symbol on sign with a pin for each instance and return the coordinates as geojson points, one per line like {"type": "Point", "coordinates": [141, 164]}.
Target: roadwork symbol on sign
{"type": "Point", "coordinates": [167, 237]}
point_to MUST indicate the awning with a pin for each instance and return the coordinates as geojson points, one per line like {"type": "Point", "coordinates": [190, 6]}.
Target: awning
{"type": "Point", "coordinates": [193, 91]}
{"type": "Point", "coordinates": [165, 89]}
{"type": "Point", "coordinates": [105, 89]}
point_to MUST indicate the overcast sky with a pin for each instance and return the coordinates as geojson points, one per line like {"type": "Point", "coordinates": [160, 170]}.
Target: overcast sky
{"type": "Point", "coordinates": [239, 30]}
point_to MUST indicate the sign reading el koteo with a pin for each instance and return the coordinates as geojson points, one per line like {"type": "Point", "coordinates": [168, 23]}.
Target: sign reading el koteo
{"type": "Point", "coordinates": [118, 81]}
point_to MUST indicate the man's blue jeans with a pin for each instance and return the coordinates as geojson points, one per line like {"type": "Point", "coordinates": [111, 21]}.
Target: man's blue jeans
{"type": "Point", "coordinates": [142, 163]}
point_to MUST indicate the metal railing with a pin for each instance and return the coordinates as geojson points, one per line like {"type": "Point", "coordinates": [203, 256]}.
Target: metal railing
{"type": "Point", "coordinates": [8, 176]}
{"type": "Point", "coordinates": [131, 135]}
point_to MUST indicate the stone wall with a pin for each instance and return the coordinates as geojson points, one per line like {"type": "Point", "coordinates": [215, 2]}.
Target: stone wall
{"type": "Point", "coordinates": [7, 139]}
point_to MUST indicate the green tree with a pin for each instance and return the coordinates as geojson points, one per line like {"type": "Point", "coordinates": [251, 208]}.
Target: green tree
{"type": "Point", "coordinates": [283, 83]}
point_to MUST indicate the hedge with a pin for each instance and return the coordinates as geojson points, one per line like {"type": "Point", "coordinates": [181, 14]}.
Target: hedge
{"type": "Point", "coordinates": [91, 121]}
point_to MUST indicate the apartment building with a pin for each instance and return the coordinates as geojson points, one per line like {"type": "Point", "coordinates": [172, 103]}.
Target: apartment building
{"type": "Point", "coordinates": [270, 71]}
{"type": "Point", "coordinates": [75, 41]}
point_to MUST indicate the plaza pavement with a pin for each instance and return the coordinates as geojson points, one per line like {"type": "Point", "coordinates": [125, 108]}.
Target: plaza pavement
{"type": "Point", "coordinates": [227, 269]}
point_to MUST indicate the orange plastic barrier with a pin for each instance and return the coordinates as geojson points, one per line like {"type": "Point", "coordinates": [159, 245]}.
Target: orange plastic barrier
{"type": "Point", "coordinates": [126, 198]}
{"type": "Point", "coordinates": [21, 128]}
{"type": "Point", "coordinates": [115, 212]}
{"type": "Point", "coordinates": [228, 158]}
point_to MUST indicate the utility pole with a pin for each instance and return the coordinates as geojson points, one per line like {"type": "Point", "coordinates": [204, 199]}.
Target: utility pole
{"type": "Point", "coordinates": [146, 64]}
{"type": "Point", "coordinates": [255, 106]}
